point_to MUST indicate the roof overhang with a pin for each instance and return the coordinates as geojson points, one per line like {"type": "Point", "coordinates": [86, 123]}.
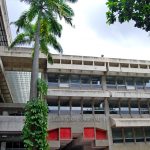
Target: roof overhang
{"type": "Point", "coordinates": [5, 22]}
{"type": "Point", "coordinates": [130, 122]}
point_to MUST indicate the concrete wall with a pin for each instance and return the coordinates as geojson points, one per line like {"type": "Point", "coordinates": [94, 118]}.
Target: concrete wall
{"type": "Point", "coordinates": [131, 146]}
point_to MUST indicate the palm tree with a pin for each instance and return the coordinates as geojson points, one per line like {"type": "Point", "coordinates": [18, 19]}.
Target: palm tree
{"type": "Point", "coordinates": [44, 13]}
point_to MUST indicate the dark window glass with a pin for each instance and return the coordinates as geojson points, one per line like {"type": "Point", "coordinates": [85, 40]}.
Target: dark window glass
{"type": "Point", "coordinates": [96, 80]}
{"type": "Point", "coordinates": [64, 78]}
{"type": "Point", "coordinates": [147, 133]}
{"type": "Point", "coordinates": [147, 83]}
{"type": "Point", "coordinates": [124, 108]}
{"type": "Point", "coordinates": [144, 108]}
{"type": "Point", "coordinates": [53, 78]}
{"type": "Point", "coordinates": [85, 80]}
{"type": "Point", "coordinates": [111, 80]}
{"type": "Point", "coordinates": [117, 135]}
{"type": "Point", "coordinates": [120, 81]}
{"type": "Point", "coordinates": [75, 79]}
{"type": "Point", "coordinates": [128, 132]}
{"type": "Point", "coordinates": [114, 108]}
{"type": "Point", "coordinates": [99, 107]}
{"type": "Point", "coordinates": [139, 81]}
{"type": "Point", "coordinates": [139, 134]}
{"type": "Point", "coordinates": [9, 144]}
{"type": "Point", "coordinates": [134, 107]}
{"type": "Point", "coordinates": [16, 145]}
{"type": "Point", "coordinates": [130, 81]}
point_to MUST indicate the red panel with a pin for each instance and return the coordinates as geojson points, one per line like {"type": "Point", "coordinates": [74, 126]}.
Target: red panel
{"type": "Point", "coordinates": [65, 133]}
{"type": "Point", "coordinates": [89, 133]}
{"type": "Point", "coordinates": [101, 134]}
{"type": "Point", "coordinates": [53, 135]}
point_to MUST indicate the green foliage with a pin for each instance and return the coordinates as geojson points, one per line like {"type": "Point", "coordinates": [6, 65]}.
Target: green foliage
{"type": "Point", "coordinates": [126, 10]}
{"type": "Point", "coordinates": [36, 114]}
{"type": "Point", "coordinates": [42, 88]}
{"type": "Point", "coordinates": [49, 13]}
{"type": "Point", "coordinates": [35, 127]}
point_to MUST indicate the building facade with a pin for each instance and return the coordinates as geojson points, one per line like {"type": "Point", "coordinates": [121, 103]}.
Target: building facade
{"type": "Point", "coordinates": [95, 103]}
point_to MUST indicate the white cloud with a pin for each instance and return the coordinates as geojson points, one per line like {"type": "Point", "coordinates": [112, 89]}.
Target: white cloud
{"type": "Point", "coordinates": [92, 36]}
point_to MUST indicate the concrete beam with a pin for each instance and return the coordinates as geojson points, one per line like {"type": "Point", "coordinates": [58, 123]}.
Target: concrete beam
{"type": "Point", "coordinates": [5, 20]}
{"type": "Point", "coordinates": [5, 85]}
{"type": "Point", "coordinates": [130, 122]}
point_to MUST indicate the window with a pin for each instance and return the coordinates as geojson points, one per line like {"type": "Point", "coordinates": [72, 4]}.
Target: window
{"type": "Point", "coordinates": [99, 107]}
{"type": "Point", "coordinates": [117, 135]}
{"type": "Point", "coordinates": [124, 107]}
{"type": "Point", "coordinates": [134, 107]}
{"type": "Point", "coordinates": [120, 81]}
{"type": "Point", "coordinates": [64, 78]}
{"type": "Point", "coordinates": [64, 107]}
{"type": "Point", "coordinates": [53, 78]}
{"type": "Point", "coordinates": [53, 109]}
{"type": "Point", "coordinates": [147, 83]}
{"type": "Point", "coordinates": [75, 79]}
{"type": "Point", "coordinates": [85, 80]}
{"type": "Point", "coordinates": [139, 135]}
{"type": "Point", "coordinates": [147, 133]}
{"type": "Point", "coordinates": [130, 81]}
{"type": "Point", "coordinates": [139, 83]}
{"type": "Point", "coordinates": [114, 108]}
{"type": "Point", "coordinates": [96, 80]}
{"type": "Point", "coordinates": [128, 133]}
{"type": "Point", "coordinates": [144, 108]}
{"type": "Point", "coordinates": [111, 82]}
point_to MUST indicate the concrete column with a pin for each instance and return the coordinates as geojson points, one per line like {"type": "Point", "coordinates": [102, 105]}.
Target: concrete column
{"type": "Point", "coordinates": [109, 132]}
{"type": "Point", "coordinates": [3, 145]}
{"type": "Point", "coordinates": [138, 101]}
{"type": "Point", "coordinates": [70, 105]}
{"type": "Point", "coordinates": [93, 106]}
{"type": "Point", "coordinates": [104, 87]}
{"type": "Point", "coordinates": [82, 107]}
{"type": "Point", "coordinates": [5, 113]}
{"type": "Point", "coordinates": [58, 107]}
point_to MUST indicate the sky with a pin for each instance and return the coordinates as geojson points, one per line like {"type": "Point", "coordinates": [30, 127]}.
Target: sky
{"type": "Point", "coordinates": [92, 36]}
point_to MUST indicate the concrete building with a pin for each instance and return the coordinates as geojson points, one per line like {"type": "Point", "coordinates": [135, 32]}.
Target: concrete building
{"type": "Point", "coordinates": [95, 103]}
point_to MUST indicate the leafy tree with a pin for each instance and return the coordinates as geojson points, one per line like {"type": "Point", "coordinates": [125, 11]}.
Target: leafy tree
{"type": "Point", "coordinates": [45, 14]}
{"type": "Point", "coordinates": [40, 26]}
{"type": "Point", "coordinates": [126, 10]}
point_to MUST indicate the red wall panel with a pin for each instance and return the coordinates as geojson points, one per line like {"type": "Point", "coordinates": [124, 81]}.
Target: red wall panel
{"type": "Point", "coordinates": [89, 133]}
{"type": "Point", "coordinates": [53, 135]}
{"type": "Point", "coordinates": [101, 134]}
{"type": "Point", "coordinates": [65, 133]}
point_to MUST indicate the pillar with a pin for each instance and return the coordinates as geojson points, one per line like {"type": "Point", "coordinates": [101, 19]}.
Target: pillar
{"type": "Point", "coordinates": [58, 107]}
{"type": "Point", "coordinates": [70, 105]}
{"type": "Point", "coordinates": [3, 145]}
{"type": "Point", "coordinates": [5, 113]}
{"type": "Point", "coordinates": [104, 86]}
{"type": "Point", "coordinates": [108, 125]}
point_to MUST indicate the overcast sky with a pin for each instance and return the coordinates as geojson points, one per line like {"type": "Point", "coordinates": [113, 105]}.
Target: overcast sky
{"type": "Point", "coordinates": [92, 36]}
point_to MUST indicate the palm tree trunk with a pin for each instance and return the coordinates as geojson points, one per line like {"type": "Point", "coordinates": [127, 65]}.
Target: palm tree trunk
{"type": "Point", "coordinates": [35, 64]}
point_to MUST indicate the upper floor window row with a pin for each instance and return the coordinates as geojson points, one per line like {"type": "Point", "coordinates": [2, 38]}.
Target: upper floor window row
{"type": "Point", "coordinates": [128, 82]}
{"type": "Point", "coordinates": [78, 79]}
{"type": "Point", "coordinates": [74, 81]}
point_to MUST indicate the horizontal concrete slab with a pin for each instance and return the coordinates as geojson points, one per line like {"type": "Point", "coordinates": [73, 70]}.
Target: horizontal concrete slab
{"type": "Point", "coordinates": [130, 122]}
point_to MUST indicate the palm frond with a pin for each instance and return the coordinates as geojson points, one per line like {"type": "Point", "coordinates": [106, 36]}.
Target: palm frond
{"type": "Point", "coordinates": [54, 43]}
{"type": "Point", "coordinates": [21, 39]}
{"type": "Point", "coordinates": [50, 58]}
{"type": "Point", "coordinates": [72, 1]}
